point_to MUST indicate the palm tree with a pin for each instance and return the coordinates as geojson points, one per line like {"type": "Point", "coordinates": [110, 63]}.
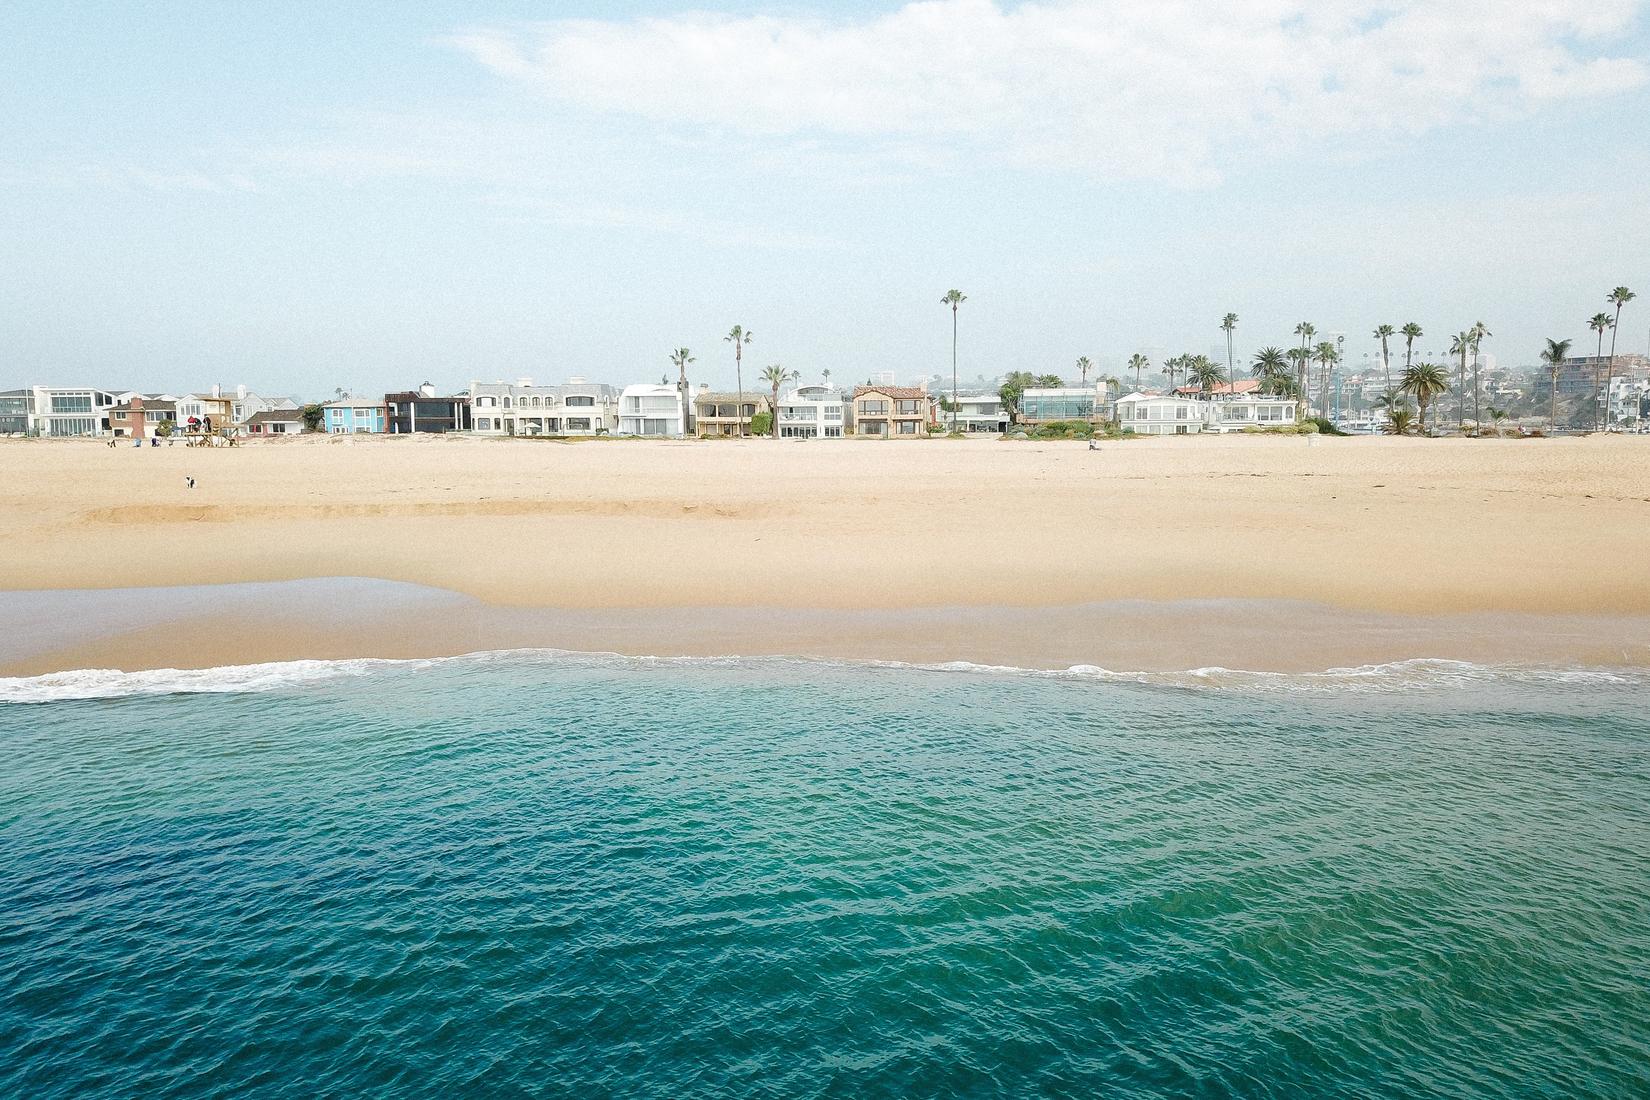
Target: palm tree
{"type": "Point", "coordinates": [1460, 344]}
{"type": "Point", "coordinates": [1383, 334]}
{"type": "Point", "coordinates": [1228, 324]}
{"type": "Point", "coordinates": [825, 375]}
{"type": "Point", "coordinates": [1171, 367]}
{"type": "Point", "coordinates": [776, 376]}
{"type": "Point", "coordinates": [1327, 355]}
{"type": "Point", "coordinates": [1497, 417]}
{"type": "Point", "coordinates": [1303, 363]}
{"type": "Point", "coordinates": [1554, 355]}
{"type": "Point", "coordinates": [1205, 372]}
{"type": "Point", "coordinates": [1270, 368]}
{"type": "Point", "coordinates": [1392, 402]}
{"type": "Point", "coordinates": [1478, 332]}
{"type": "Point", "coordinates": [1138, 363]}
{"type": "Point", "coordinates": [1617, 297]}
{"type": "Point", "coordinates": [740, 339]}
{"type": "Point", "coordinates": [1411, 333]}
{"type": "Point", "coordinates": [954, 298]}
{"type": "Point", "coordinates": [1424, 381]}
{"type": "Point", "coordinates": [680, 358]}
{"type": "Point", "coordinates": [1083, 368]}
{"type": "Point", "coordinates": [1600, 323]}
{"type": "Point", "coordinates": [1399, 420]}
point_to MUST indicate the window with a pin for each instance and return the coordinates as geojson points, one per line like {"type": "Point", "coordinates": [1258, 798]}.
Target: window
{"type": "Point", "coordinates": [581, 402]}
{"type": "Point", "coordinates": [578, 424]}
{"type": "Point", "coordinates": [908, 408]}
{"type": "Point", "coordinates": [869, 407]}
{"type": "Point", "coordinates": [507, 402]}
{"type": "Point", "coordinates": [724, 410]}
{"type": "Point", "coordinates": [833, 412]}
{"type": "Point", "coordinates": [1180, 429]}
{"type": "Point", "coordinates": [484, 424]}
{"type": "Point", "coordinates": [747, 410]}
{"type": "Point", "coordinates": [1182, 413]}
{"type": "Point", "coordinates": [72, 404]}
{"type": "Point", "coordinates": [908, 427]}
{"type": "Point", "coordinates": [486, 402]}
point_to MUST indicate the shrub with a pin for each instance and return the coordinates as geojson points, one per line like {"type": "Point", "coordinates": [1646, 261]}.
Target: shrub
{"type": "Point", "coordinates": [762, 424]}
{"type": "Point", "coordinates": [1064, 429]}
{"type": "Point", "coordinates": [1324, 426]}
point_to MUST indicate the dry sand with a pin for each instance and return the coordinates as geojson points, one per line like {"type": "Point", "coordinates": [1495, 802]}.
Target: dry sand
{"type": "Point", "coordinates": [674, 531]}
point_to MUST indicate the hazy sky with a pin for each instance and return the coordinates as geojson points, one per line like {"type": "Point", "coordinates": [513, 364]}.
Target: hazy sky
{"type": "Point", "coordinates": [300, 196]}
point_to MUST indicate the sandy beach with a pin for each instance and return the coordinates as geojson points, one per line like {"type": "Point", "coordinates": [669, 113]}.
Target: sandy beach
{"type": "Point", "coordinates": [837, 546]}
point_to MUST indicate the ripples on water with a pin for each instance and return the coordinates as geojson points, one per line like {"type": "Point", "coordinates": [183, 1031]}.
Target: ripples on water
{"type": "Point", "coordinates": [671, 879]}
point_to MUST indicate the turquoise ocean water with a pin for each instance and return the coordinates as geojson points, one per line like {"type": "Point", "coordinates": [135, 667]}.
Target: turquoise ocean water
{"type": "Point", "coordinates": [549, 875]}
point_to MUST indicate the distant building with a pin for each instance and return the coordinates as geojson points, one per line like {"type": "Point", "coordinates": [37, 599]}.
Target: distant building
{"type": "Point", "coordinates": [207, 412]}
{"type": "Point", "coordinates": [67, 411]}
{"type": "Point", "coordinates": [1221, 410]}
{"type": "Point", "coordinates": [272, 422]}
{"type": "Point", "coordinates": [14, 411]}
{"type": "Point", "coordinates": [812, 412]}
{"type": "Point", "coordinates": [723, 414]}
{"type": "Point", "coordinates": [651, 410]}
{"type": "Point", "coordinates": [1587, 374]}
{"type": "Point", "coordinates": [976, 412]}
{"type": "Point", "coordinates": [354, 415]}
{"type": "Point", "coordinates": [140, 417]}
{"type": "Point", "coordinates": [892, 411]}
{"type": "Point", "coordinates": [421, 410]}
{"type": "Point", "coordinates": [1045, 405]}
{"type": "Point", "coordinates": [522, 408]}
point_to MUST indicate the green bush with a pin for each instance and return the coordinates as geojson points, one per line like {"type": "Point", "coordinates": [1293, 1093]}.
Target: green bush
{"type": "Point", "coordinates": [1324, 426]}
{"type": "Point", "coordinates": [762, 424]}
{"type": "Point", "coordinates": [1064, 429]}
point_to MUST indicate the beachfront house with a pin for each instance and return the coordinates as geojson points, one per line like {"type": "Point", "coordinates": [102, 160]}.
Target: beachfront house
{"type": "Point", "coordinates": [651, 409]}
{"type": "Point", "coordinates": [353, 415]}
{"type": "Point", "coordinates": [208, 411]}
{"type": "Point", "coordinates": [1159, 414]}
{"type": "Point", "coordinates": [812, 412]}
{"type": "Point", "coordinates": [274, 422]}
{"type": "Point", "coordinates": [14, 412]}
{"type": "Point", "coordinates": [724, 414]}
{"type": "Point", "coordinates": [246, 405]}
{"type": "Point", "coordinates": [1230, 407]}
{"type": "Point", "coordinates": [1180, 414]}
{"type": "Point", "coordinates": [975, 412]}
{"type": "Point", "coordinates": [68, 411]}
{"type": "Point", "coordinates": [896, 412]}
{"type": "Point", "coordinates": [576, 407]}
{"type": "Point", "coordinates": [1053, 404]}
{"type": "Point", "coordinates": [424, 411]}
{"type": "Point", "coordinates": [143, 417]}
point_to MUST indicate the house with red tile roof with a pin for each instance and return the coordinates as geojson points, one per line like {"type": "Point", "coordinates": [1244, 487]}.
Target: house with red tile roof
{"type": "Point", "coordinates": [896, 412]}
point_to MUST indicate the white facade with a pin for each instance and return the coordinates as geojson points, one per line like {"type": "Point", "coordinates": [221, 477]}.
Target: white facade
{"type": "Point", "coordinates": [521, 408]}
{"type": "Point", "coordinates": [976, 412]}
{"type": "Point", "coordinates": [812, 412]}
{"type": "Point", "coordinates": [68, 411]}
{"type": "Point", "coordinates": [651, 410]}
{"type": "Point", "coordinates": [1159, 414]}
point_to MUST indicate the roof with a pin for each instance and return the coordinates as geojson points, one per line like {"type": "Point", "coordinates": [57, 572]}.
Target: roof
{"type": "Point", "coordinates": [750, 395]}
{"type": "Point", "coordinates": [1242, 386]}
{"type": "Point", "coordinates": [898, 393]}
{"type": "Point", "coordinates": [355, 401]}
{"type": "Point", "coordinates": [278, 416]}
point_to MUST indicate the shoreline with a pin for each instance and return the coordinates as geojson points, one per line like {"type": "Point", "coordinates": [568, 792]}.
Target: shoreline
{"type": "Point", "coordinates": [212, 627]}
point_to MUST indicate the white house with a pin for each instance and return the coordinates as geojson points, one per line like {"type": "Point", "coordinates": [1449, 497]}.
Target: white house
{"type": "Point", "coordinates": [812, 412]}
{"type": "Point", "coordinates": [1182, 414]}
{"type": "Point", "coordinates": [976, 412]}
{"type": "Point", "coordinates": [522, 408]}
{"type": "Point", "coordinates": [1159, 414]}
{"type": "Point", "coordinates": [652, 409]}
{"type": "Point", "coordinates": [70, 410]}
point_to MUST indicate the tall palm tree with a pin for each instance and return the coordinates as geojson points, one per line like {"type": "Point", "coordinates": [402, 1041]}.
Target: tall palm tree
{"type": "Point", "coordinates": [1138, 363]}
{"type": "Point", "coordinates": [1171, 367]}
{"type": "Point", "coordinates": [1618, 298]}
{"type": "Point", "coordinates": [1303, 363]}
{"type": "Point", "coordinates": [1411, 333]}
{"type": "Point", "coordinates": [1600, 323]}
{"type": "Point", "coordinates": [776, 376]}
{"type": "Point", "coordinates": [1384, 333]}
{"type": "Point", "coordinates": [1554, 355]}
{"type": "Point", "coordinates": [1301, 360]}
{"type": "Point", "coordinates": [953, 298]}
{"type": "Point", "coordinates": [1083, 368]}
{"type": "Point", "coordinates": [1270, 368]}
{"type": "Point", "coordinates": [680, 358]}
{"type": "Point", "coordinates": [1460, 344]}
{"type": "Point", "coordinates": [1228, 325]}
{"type": "Point", "coordinates": [740, 339]}
{"type": "Point", "coordinates": [1424, 381]}
{"type": "Point", "coordinates": [1327, 355]}
{"type": "Point", "coordinates": [1478, 332]}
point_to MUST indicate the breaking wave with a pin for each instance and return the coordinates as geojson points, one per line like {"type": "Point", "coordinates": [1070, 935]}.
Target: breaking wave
{"type": "Point", "coordinates": [1395, 676]}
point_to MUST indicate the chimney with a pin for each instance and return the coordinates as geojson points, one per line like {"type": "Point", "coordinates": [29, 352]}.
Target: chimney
{"type": "Point", "coordinates": [240, 392]}
{"type": "Point", "coordinates": [217, 390]}
{"type": "Point", "coordinates": [576, 380]}
{"type": "Point", "coordinates": [524, 383]}
{"type": "Point", "coordinates": [427, 389]}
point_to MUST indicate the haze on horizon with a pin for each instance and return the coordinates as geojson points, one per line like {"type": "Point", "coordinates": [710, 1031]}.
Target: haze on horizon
{"type": "Point", "coordinates": [299, 197]}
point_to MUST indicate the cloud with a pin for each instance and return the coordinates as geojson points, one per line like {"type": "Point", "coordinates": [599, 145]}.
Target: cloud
{"type": "Point", "coordinates": [1154, 89]}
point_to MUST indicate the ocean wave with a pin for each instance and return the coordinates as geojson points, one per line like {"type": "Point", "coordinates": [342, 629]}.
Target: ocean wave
{"type": "Point", "coordinates": [1394, 676]}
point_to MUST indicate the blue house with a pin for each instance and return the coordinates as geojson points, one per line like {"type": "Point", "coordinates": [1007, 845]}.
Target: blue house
{"type": "Point", "coordinates": [351, 415]}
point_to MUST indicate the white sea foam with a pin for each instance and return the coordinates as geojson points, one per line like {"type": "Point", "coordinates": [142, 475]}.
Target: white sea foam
{"type": "Point", "coordinates": [1395, 676]}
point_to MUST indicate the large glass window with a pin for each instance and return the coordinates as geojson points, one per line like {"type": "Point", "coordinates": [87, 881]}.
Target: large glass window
{"type": "Point", "coordinates": [873, 408]}
{"type": "Point", "coordinates": [69, 403]}
{"type": "Point", "coordinates": [908, 408]}
{"type": "Point", "coordinates": [581, 402]}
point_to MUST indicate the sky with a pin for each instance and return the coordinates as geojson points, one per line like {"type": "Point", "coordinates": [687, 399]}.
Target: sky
{"type": "Point", "coordinates": [309, 196]}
